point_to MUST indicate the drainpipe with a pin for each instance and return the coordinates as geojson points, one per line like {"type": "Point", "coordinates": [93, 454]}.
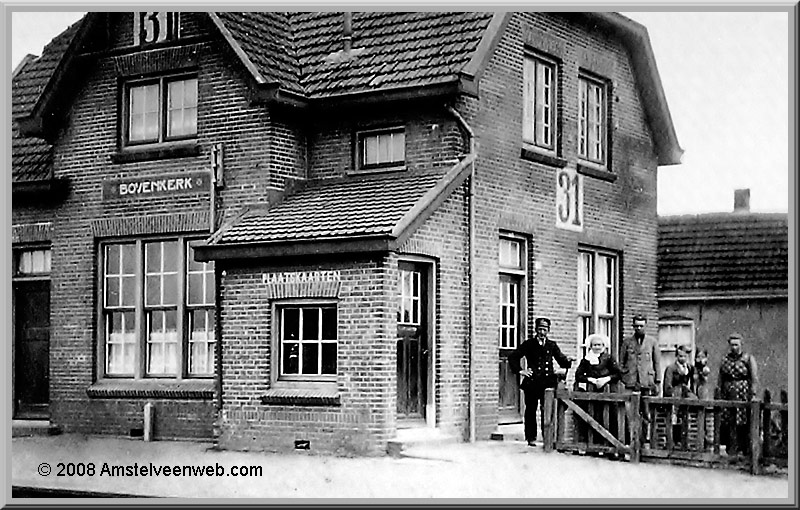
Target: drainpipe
{"type": "Point", "coordinates": [471, 268]}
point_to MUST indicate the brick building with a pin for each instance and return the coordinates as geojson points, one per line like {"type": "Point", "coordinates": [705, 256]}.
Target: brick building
{"type": "Point", "coordinates": [324, 227]}
{"type": "Point", "coordinates": [722, 273]}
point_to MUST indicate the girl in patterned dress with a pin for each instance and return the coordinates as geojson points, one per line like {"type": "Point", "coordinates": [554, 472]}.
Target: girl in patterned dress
{"type": "Point", "coordinates": [738, 380]}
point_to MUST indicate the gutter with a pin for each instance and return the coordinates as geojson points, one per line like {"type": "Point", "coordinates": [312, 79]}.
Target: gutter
{"type": "Point", "coordinates": [471, 269]}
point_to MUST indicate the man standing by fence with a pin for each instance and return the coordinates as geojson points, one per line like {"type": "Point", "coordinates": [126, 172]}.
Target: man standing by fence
{"type": "Point", "coordinates": [540, 374]}
{"type": "Point", "coordinates": [640, 365]}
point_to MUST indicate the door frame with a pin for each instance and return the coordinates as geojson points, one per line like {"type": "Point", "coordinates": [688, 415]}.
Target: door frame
{"type": "Point", "coordinates": [430, 271]}
{"type": "Point", "coordinates": [16, 283]}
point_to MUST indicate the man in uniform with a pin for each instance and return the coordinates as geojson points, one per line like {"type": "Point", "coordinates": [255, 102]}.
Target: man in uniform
{"type": "Point", "coordinates": [640, 364]}
{"type": "Point", "coordinates": [540, 373]}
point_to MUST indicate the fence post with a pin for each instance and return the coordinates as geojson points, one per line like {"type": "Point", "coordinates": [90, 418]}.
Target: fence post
{"type": "Point", "coordinates": [635, 424]}
{"type": "Point", "coordinates": [547, 419]}
{"type": "Point", "coordinates": [784, 422]}
{"type": "Point", "coordinates": [766, 417]}
{"type": "Point", "coordinates": [755, 437]}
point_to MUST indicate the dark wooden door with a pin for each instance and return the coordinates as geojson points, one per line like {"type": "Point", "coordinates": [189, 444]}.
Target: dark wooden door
{"type": "Point", "coordinates": [32, 349]}
{"type": "Point", "coordinates": [510, 336]}
{"type": "Point", "coordinates": [412, 342]}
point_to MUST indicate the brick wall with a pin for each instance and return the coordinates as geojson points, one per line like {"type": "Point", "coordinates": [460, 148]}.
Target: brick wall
{"type": "Point", "coordinates": [83, 154]}
{"type": "Point", "coordinates": [519, 195]}
{"type": "Point", "coordinates": [366, 380]}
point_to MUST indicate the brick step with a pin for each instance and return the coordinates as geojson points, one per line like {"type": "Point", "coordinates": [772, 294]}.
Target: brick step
{"type": "Point", "coordinates": [26, 428]}
{"type": "Point", "coordinates": [411, 439]}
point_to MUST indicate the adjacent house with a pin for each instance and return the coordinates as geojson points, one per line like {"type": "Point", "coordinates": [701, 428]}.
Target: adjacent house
{"type": "Point", "coordinates": [723, 273]}
{"type": "Point", "coordinates": [315, 229]}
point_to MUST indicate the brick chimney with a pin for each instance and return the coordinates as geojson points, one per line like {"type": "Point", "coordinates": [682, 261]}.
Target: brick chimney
{"type": "Point", "coordinates": [741, 200]}
{"type": "Point", "coordinates": [347, 32]}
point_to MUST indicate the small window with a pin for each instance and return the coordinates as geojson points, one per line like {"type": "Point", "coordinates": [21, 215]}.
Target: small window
{"type": "Point", "coordinates": [382, 149]}
{"type": "Point", "coordinates": [598, 309]}
{"type": "Point", "coordinates": [33, 262]}
{"type": "Point", "coordinates": [513, 305]}
{"type": "Point", "coordinates": [540, 90]}
{"type": "Point", "coordinates": [160, 110]}
{"type": "Point", "coordinates": [592, 121]}
{"type": "Point", "coordinates": [308, 341]}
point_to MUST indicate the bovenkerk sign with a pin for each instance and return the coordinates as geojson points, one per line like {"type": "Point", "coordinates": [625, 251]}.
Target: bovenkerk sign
{"type": "Point", "coordinates": [173, 184]}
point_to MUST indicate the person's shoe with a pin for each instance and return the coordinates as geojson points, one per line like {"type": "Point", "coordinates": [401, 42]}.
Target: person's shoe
{"type": "Point", "coordinates": [532, 443]}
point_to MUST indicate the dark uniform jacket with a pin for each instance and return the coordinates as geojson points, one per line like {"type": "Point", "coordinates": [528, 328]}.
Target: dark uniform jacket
{"type": "Point", "coordinates": [540, 361]}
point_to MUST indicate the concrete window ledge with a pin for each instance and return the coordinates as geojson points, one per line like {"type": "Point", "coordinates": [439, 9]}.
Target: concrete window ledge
{"type": "Point", "coordinates": [301, 397]}
{"type": "Point", "coordinates": [162, 151]}
{"type": "Point", "coordinates": [152, 389]}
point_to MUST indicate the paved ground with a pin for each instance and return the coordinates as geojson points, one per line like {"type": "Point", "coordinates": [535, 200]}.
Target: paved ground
{"type": "Point", "coordinates": [487, 469]}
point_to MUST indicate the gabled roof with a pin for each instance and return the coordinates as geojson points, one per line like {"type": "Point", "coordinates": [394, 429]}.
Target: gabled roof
{"type": "Point", "coordinates": [723, 255]}
{"type": "Point", "coordinates": [299, 55]}
{"type": "Point", "coordinates": [370, 213]}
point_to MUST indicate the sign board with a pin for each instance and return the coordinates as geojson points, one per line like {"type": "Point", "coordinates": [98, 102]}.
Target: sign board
{"type": "Point", "coordinates": [172, 184]}
{"type": "Point", "coordinates": [569, 199]}
{"type": "Point", "coordinates": [155, 27]}
{"type": "Point", "coordinates": [302, 277]}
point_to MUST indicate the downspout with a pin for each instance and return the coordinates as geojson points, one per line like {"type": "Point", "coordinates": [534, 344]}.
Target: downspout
{"type": "Point", "coordinates": [471, 271]}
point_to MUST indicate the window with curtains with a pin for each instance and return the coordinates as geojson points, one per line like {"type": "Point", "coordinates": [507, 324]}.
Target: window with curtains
{"type": "Point", "coordinates": [592, 120]}
{"type": "Point", "coordinates": [540, 100]}
{"type": "Point", "coordinates": [512, 275]}
{"type": "Point", "coordinates": [157, 310]}
{"type": "Point", "coordinates": [159, 110]}
{"type": "Point", "coordinates": [598, 308]}
{"type": "Point", "coordinates": [381, 150]}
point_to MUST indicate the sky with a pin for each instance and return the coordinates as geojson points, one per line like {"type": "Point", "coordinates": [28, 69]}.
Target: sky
{"type": "Point", "coordinates": [726, 79]}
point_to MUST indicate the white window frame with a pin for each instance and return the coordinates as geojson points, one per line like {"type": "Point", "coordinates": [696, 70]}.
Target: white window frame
{"type": "Point", "coordinates": [394, 162]}
{"type": "Point", "coordinates": [33, 261]}
{"type": "Point", "coordinates": [279, 377]}
{"type": "Point", "coordinates": [410, 301]}
{"type": "Point", "coordinates": [540, 103]}
{"type": "Point", "coordinates": [512, 266]}
{"type": "Point", "coordinates": [593, 108]}
{"type": "Point", "coordinates": [139, 313]}
{"type": "Point", "coordinates": [162, 85]}
{"type": "Point", "coordinates": [668, 350]}
{"type": "Point", "coordinates": [588, 309]}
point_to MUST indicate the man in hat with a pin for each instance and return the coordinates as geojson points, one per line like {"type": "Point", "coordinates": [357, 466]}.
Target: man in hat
{"type": "Point", "coordinates": [640, 364]}
{"type": "Point", "coordinates": [540, 373]}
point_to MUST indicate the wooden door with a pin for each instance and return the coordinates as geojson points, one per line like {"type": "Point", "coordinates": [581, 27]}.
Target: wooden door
{"type": "Point", "coordinates": [412, 343]}
{"type": "Point", "coordinates": [31, 349]}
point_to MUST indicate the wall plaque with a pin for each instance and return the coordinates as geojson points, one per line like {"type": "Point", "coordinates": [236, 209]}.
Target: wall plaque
{"type": "Point", "coordinates": [172, 184]}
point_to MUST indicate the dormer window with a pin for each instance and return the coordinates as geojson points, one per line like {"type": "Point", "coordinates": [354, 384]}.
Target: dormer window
{"type": "Point", "coordinates": [160, 110]}
{"type": "Point", "coordinates": [384, 149]}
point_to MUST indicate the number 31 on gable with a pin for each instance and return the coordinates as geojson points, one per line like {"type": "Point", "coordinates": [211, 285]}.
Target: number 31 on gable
{"type": "Point", "coordinates": [154, 27]}
{"type": "Point", "coordinates": [569, 199]}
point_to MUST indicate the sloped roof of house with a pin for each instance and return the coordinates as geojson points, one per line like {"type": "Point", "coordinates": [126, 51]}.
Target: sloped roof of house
{"type": "Point", "coordinates": [353, 213]}
{"type": "Point", "coordinates": [723, 255]}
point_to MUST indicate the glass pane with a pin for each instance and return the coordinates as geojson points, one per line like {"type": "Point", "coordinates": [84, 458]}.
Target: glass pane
{"type": "Point", "coordinates": [209, 297]}
{"type": "Point", "coordinates": [329, 324]}
{"type": "Point", "coordinates": [384, 146]}
{"type": "Point", "coordinates": [399, 146]}
{"type": "Point", "coordinates": [291, 323]}
{"type": "Point", "coordinates": [170, 283]}
{"type": "Point", "coordinates": [153, 258]}
{"type": "Point", "coordinates": [196, 296]}
{"type": "Point", "coordinates": [310, 324]}
{"type": "Point", "coordinates": [170, 256]}
{"type": "Point", "coordinates": [329, 358]}
{"type": "Point", "coordinates": [112, 259]}
{"type": "Point", "coordinates": [112, 291]}
{"type": "Point", "coordinates": [128, 291]}
{"type": "Point", "coordinates": [291, 359]}
{"type": "Point", "coordinates": [370, 150]}
{"type": "Point", "coordinates": [310, 358]}
{"type": "Point", "coordinates": [153, 290]}
{"type": "Point", "coordinates": [175, 95]}
{"type": "Point", "coordinates": [128, 252]}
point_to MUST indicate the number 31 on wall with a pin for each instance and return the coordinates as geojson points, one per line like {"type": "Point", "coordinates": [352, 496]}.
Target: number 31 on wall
{"type": "Point", "coordinates": [569, 199]}
{"type": "Point", "coordinates": [154, 27]}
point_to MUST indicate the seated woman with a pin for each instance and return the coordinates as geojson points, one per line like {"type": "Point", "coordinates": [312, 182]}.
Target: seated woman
{"type": "Point", "coordinates": [597, 372]}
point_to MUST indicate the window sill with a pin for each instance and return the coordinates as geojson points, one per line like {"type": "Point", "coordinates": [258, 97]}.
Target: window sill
{"type": "Point", "coordinates": [301, 397]}
{"type": "Point", "coordinates": [162, 151]}
{"type": "Point", "coordinates": [129, 388]}
{"type": "Point", "coordinates": [598, 173]}
{"type": "Point", "coordinates": [538, 157]}
{"type": "Point", "coordinates": [377, 170]}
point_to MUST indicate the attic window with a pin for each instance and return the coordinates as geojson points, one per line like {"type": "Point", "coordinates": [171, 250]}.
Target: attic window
{"type": "Point", "coordinates": [160, 110]}
{"type": "Point", "coordinates": [384, 149]}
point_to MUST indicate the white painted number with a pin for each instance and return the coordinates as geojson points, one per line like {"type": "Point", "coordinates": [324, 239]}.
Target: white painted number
{"type": "Point", "coordinates": [569, 199]}
{"type": "Point", "coordinates": [153, 27]}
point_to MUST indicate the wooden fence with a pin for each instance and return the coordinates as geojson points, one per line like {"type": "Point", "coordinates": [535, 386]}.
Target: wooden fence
{"type": "Point", "coordinates": [674, 430]}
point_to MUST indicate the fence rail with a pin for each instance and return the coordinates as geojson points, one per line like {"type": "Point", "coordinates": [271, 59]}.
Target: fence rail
{"type": "Point", "coordinates": [668, 429]}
